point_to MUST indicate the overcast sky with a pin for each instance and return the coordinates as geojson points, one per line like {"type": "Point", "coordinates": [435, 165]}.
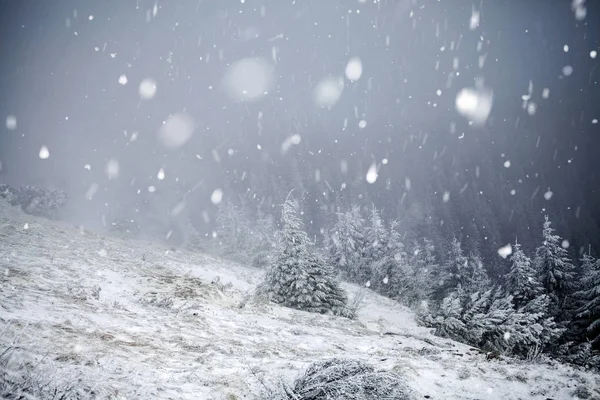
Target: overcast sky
{"type": "Point", "coordinates": [236, 79]}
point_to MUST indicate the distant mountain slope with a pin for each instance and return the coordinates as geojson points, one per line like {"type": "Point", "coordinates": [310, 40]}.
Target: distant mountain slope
{"type": "Point", "coordinates": [134, 320]}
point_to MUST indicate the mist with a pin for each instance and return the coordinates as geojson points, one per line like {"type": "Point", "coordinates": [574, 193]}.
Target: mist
{"type": "Point", "coordinates": [457, 119]}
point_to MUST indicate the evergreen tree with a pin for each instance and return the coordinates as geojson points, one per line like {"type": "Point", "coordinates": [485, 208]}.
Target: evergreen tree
{"type": "Point", "coordinates": [345, 243]}
{"type": "Point", "coordinates": [554, 269]}
{"type": "Point", "coordinates": [521, 281]}
{"type": "Point", "coordinates": [416, 285]}
{"type": "Point", "coordinates": [587, 298]}
{"type": "Point", "coordinates": [376, 239]}
{"type": "Point", "coordinates": [452, 273]}
{"type": "Point", "coordinates": [261, 240]}
{"type": "Point", "coordinates": [475, 278]}
{"type": "Point", "coordinates": [298, 276]}
{"type": "Point", "coordinates": [233, 230]}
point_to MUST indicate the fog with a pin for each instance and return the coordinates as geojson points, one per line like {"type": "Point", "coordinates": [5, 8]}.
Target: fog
{"type": "Point", "coordinates": [472, 119]}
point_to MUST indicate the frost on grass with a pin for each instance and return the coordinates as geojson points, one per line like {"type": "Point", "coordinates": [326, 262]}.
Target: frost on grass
{"type": "Point", "coordinates": [24, 379]}
{"type": "Point", "coordinates": [342, 379]}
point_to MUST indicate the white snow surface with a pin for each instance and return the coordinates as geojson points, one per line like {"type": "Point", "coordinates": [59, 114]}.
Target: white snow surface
{"type": "Point", "coordinates": [203, 345]}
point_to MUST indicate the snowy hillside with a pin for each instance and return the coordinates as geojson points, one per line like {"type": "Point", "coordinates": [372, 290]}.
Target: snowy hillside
{"type": "Point", "coordinates": [134, 320]}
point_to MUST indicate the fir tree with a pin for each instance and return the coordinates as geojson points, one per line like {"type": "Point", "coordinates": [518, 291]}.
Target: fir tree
{"type": "Point", "coordinates": [452, 273]}
{"type": "Point", "coordinates": [345, 243]}
{"type": "Point", "coordinates": [475, 279]}
{"type": "Point", "coordinates": [521, 281]}
{"type": "Point", "coordinates": [298, 276]}
{"type": "Point", "coordinates": [554, 268]}
{"type": "Point", "coordinates": [587, 298]}
{"type": "Point", "coordinates": [376, 241]}
{"type": "Point", "coordinates": [233, 231]}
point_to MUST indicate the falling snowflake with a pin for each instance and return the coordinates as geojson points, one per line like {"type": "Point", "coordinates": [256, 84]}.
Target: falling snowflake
{"type": "Point", "coordinates": [123, 79]}
{"type": "Point", "coordinates": [91, 191]}
{"type": "Point", "coordinates": [446, 197]}
{"type": "Point", "coordinates": [505, 251]}
{"type": "Point", "coordinates": [44, 153]}
{"type": "Point", "coordinates": [372, 173]}
{"type": "Point", "coordinates": [112, 169]}
{"type": "Point", "coordinates": [147, 89]}
{"type": "Point", "coordinates": [248, 79]}
{"type": "Point", "coordinates": [328, 91]}
{"type": "Point", "coordinates": [11, 122]}
{"type": "Point", "coordinates": [176, 131]}
{"type": "Point", "coordinates": [216, 196]}
{"type": "Point", "coordinates": [354, 69]}
{"type": "Point", "coordinates": [475, 104]}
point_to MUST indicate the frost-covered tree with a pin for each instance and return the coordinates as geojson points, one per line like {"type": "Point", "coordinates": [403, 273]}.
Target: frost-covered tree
{"type": "Point", "coordinates": [452, 273]}
{"type": "Point", "coordinates": [587, 298]}
{"type": "Point", "coordinates": [345, 243]}
{"type": "Point", "coordinates": [232, 226]}
{"type": "Point", "coordinates": [554, 268]}
{"type": "Point", "coordinates": [298, 277]}
{"type": "Point", "coordinates": [475, 278]}
{"type": "Point", "coordinates": [390, 270]}
{"type": "Point", "coordinates": [376, 240]}
{"type": "Point", "coordinates": [261, 240]}
{"type": "Point", "coordinates": [415, 287]}
{"type": "Point", "coordinates": [489, 320]}
{"type": "Point", "coordinates": [521, 281]}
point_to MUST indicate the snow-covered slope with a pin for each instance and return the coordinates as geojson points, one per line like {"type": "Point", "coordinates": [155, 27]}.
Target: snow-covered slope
{"type": "Point", "coordinates": [139, 321]}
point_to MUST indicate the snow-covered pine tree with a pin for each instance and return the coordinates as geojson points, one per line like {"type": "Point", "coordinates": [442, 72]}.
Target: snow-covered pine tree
{"type": "Point", "coordinates": [423, 268]}
{"type": "Point", "coordinates": [376, 241]}
{"type": "Point", "coordinates": [475, 278]}
{"type": "Point", "coordinates": [452, 273]}
{"type": "Point", "coordinates": [448, 318]}
{"type": "Point", "coordinates": [233, 232]}
{"type": "Point", "coordinates": [390, 273]}
{"type": "Point", "coordinates": [554, 269]}
{"type": "Point", "coordinates": [261, 240]}
{"type": "Point", "coordinates": [521, 281]}
{"type": "Point", "coordinates": [345, 243]}
{"type": "Point", "coordinates": [298, 277]}
{"type": "Point", "coordinates": [587, 298]}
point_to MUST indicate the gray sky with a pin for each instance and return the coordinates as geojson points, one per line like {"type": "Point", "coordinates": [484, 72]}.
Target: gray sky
{"type": "Point", "coordinates": [62, 63]}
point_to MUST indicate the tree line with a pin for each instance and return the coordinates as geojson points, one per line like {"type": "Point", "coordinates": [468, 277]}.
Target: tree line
{"type": "Point", "coordinates": [545, 303]}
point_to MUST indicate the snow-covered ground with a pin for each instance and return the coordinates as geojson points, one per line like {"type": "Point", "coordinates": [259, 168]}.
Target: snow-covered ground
{"type": "Point", "coordinates": [134, 319]}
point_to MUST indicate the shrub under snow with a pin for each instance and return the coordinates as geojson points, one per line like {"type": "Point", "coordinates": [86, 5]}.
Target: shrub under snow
{"type": "Point", "coordinates": [34, 200]}
{"type": "Point", "coordinates": [342, 379]}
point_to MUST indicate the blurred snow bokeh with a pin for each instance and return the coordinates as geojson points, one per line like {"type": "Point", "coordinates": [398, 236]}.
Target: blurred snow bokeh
{"type": "Point", "coordinates": [112, 169]}
{"type": "Point", "coordinates": [475, 104]}
{"type": "Point", "coordinates": [177, 130]}
{"type": "Point", "coordinates": [354, 69]}
{"type": "Point", "coordinates": [11, 122]}
{"type": "Point", "coordinates": [44, 153]}
{"type": "Point", "coordinates": [248, 79]}
{"type": "Point", "coordinates": [328, 91]}
{"type": "Point", "coordinates": [147, 89]}
{"type": "Point", "coordinates": [372, 173]}
{"type": "Point", "coordinates": [216, 196]}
